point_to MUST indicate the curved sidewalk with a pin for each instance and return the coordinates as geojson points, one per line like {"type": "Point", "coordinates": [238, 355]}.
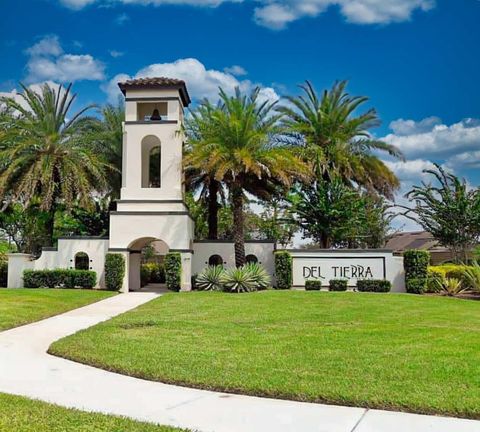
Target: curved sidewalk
{"type": "Point", "coordinates": [26, 369]}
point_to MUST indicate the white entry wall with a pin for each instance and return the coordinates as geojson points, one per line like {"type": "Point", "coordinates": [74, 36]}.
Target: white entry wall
{"type": "Point", "coordinates": [204, 249]}
{"type": "Point", "coordinates": [347, 264]}
{"type": "Point", "coordinates": [61, 257]}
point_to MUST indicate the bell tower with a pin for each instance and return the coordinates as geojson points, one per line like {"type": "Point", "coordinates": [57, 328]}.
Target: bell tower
{"type": "Point", "coordinates": [151, 204]}
{"type": "Point", "coordinates": [152, 146]}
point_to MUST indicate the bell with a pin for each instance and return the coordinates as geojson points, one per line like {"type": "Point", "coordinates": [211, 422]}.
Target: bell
{"type": "Point", "coordinates": [155, 115]}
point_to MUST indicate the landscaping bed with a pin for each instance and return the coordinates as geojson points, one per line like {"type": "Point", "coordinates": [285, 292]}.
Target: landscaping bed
{"type": "Point", "coordinates": [395, 351]}
{"type": "Point", "coordinates": [21, 306]}
{"type": "Point", "coordinates": [20, 414]}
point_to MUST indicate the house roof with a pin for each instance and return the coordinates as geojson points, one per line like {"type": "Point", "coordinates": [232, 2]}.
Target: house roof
{"type": "Point", "coordinates": [413, 240]}
{"type": "Point", "coordinates": [157, 82]}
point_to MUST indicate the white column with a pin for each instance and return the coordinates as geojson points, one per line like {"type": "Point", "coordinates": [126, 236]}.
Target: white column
{"type": "Point", "coordinates": [134, 271]}
{"type": "Point", "coordinates": [17, 263]}
{"type": "Point", "coordinates": [186, 282]}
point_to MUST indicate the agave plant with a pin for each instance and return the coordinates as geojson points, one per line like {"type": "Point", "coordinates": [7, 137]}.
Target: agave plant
{"type": "Point", "coordinates": [239, 280]}
{"type": "Point", "coordinates": [471, 276]}
{"type": "Point", "coordinates": [260, 276]}
{"type": "Point", "coordinates": [451, 286]}
{"type": "Point", "coordinates": [210, 279]}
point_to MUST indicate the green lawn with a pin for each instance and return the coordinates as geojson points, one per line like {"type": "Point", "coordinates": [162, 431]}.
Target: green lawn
{"type": "Point", "coordinates": [22, 306]}
{"type": "Point", "coordinates": [25, 415]}
{"type": "Point", "coordinates": [391, 351]}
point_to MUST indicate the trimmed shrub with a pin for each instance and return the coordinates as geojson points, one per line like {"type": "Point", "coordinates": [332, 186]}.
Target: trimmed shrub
{"type": "Point", "coordinates": [152, 273]}
{"type": "Point", "coordinates": [415, 263]}
{"type": "Point", "coordinates": [338, 285]}
{"type": "Point", "coordinates": [416, 286]}
{"type": "Point", "coordinates": [374, 285]}
{"type": "Point", "coordinates": [114, 271]}
{"type": "Point", "coordinates": [210, 279]}
{"type": "Point", "coordinates": [3, 273]}
{"type": "Point", "coordinates": [283, 270]}
{"type": "Point", "coordinates": [173, 271]}
{"type": "Point", "coordinates": [313, 285]}
{"type": "Point", "coordinates": [59, 278]}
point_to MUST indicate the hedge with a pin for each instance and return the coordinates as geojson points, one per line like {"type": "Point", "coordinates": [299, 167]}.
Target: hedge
{"type": "Point", "coordinates": [415, 263]}
{"type": "Point", "coordinates": [313, 285]}
{"type": "Point", "coordinates": [59, 278]}
{"type": "Point", "coordinates": [173, 271]}
{"type": "Point", "coordinates": [114, 271]}
{"type": "Point", "coordinates": [3, 273]}
{"type": "Point", "coordinates": [374, 285]}
{"type": "Point", "coordinates": [152, 273]}
{"type": "Point", "coordinates": [283, 270]}
{"type": "Point", "coordinates": [338, 285]}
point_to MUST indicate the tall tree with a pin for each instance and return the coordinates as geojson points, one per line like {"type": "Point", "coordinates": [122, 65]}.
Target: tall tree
{"type": "Point", "coordinates": [449, 210]}
{"type": "Point", "coordinates": [197, 129]}
{"type": "Point", "coordinates": [329, 212]}
{"type": "Point", "coordinates": [240, 150]}
{"type": "Point", "coordinates": [43, 153]}
{"type": "Point", "coordinates": [105, 136]}
{"type": "Point", "coordinates": [337, 138]}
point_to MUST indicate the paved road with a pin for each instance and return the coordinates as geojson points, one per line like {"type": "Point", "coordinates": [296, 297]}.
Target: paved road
{"type": "Point", "coordinates": [26, 369]}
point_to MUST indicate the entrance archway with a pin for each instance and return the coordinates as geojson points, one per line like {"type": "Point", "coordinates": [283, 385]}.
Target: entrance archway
{"type": "Point", "coordinates": [146, 256]}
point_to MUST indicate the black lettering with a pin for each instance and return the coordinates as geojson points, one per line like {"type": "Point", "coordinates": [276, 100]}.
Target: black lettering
{"type": "Point", "coordinates": [306, 272]}
{"type": "Point", "coordinates": [369, 272]}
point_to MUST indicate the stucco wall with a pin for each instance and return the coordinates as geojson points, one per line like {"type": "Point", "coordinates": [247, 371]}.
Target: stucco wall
{"type": "Point", "coordinates": [63, 257]}
{"type": "Point", "coordinates": [203, 251]}
{"type": "Point", "coordinates": [383, 264]}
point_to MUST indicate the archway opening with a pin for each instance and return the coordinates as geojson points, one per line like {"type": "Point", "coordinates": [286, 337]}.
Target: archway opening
{"type": "Point", "coordinates": [251, 259]}
{"type": "Point", "coordinates": [215, 260]}
{"type": "Point", "coordinates": [82, 261]}
{"type": "Point", "coordinates": [146, 263]}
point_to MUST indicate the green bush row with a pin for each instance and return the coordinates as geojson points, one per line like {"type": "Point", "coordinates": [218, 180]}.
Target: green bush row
{"type": "Point", "coordinates": [374, 285]}
{"type": "Point", "coordinates": [152, 273]}
{"type": "Point", "coordinates": [59, 278]}
{"type": "Point", "coordinates": [333, 285]}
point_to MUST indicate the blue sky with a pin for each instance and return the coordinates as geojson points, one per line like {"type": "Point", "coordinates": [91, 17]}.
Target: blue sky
{"type": "Point", "coordinates": [418, 60]}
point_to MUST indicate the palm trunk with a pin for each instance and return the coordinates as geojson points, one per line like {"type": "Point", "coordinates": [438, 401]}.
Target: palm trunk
{"type": "Point", "coordinates": [238, 225]}
{"type": "Point", "coordinates": [50, 225]}
{"type": "Point", "coordinates": [213, 188]}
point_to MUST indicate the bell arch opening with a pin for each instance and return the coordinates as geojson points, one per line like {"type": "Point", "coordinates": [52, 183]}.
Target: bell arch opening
{"type": "Point", "coordinates": [151, 162]}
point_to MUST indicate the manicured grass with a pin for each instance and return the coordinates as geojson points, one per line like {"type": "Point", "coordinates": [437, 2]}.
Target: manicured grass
{"type": "Point", "coordinates": [20, 414]}
{"type": "Point", "coordinates": [23, 306]}
{"type": "Point", "coordinates": [391, 351]}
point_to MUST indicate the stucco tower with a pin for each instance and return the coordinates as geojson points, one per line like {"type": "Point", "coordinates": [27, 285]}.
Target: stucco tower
{"type": "Point", "coordinates": [152, 204]}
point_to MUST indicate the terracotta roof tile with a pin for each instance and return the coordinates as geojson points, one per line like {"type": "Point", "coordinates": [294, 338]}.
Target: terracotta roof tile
{"type": "Point", "coordinates": [152, 82]}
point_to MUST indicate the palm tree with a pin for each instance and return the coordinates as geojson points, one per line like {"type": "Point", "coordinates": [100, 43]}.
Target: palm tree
{"type": "Point", "coordinates": [239, 148]}
{"type": "Point", "coordinates": [338, 139]}
{"type": "Point", "coordinates": [105, 135]}
{"type": "Point", "coordinates": [197, 127]}
{"type": "Point", "coordinates": [43, 156]}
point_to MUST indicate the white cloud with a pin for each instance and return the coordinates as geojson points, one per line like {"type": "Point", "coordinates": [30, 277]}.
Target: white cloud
{"type": "Point", "coordinates": [47, 61]}
{"type": "Point", "coordinates": [277, 14]}
{"type": "Point", "coordinates": [37, 87]}
{"type": "Point", "coordinates": [235, 70]}
{"type": "Point", "coordinates": [122, 19]}
{"type": "Point", "coordinates": [430, 137]}
{"type": "Point", "coordinates": [116, 54]}
{"type": "Point", "coordinates": [201, 82]}
{"type": "Point", "coordinates": [47, 46]}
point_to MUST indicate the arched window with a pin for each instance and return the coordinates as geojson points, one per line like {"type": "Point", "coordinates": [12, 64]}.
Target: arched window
{"type": "Point", "coordinates": [215, 260]}
{"type": "Point", "coordinates": [154, 175]}
{"type": "Point", "coordinates": [151, 162]}
{"type": "Point", "coordinates": [251, 259]}
{"type": "Point", "coordinates": [82, 261]}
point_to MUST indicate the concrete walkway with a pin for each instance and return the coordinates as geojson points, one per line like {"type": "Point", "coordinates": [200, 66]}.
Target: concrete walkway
{"type": "Point", "coordinates": [26, 369]}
